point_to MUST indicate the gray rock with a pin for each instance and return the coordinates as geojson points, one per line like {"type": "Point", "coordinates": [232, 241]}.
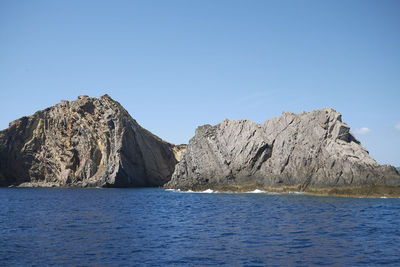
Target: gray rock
{"type": "Point", "coordinates": [308, 150]}
{"type": "Point", "coordinates": [87, 142]}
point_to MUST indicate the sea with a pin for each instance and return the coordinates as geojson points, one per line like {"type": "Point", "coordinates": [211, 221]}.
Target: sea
{"type": "Point", "coordinates": [155, 227]}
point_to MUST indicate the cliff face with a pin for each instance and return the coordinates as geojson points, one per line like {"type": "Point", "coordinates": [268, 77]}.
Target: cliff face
{"type": "Point", "coordinates": [87, 142]}
{"type": "Point", "coordinates": [309, 150]}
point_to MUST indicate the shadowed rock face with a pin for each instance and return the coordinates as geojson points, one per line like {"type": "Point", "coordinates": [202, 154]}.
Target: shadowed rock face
{"type": "Point", "coordinates": [314, 149]}
{"type": "Point", "coordinates": [87, 142]}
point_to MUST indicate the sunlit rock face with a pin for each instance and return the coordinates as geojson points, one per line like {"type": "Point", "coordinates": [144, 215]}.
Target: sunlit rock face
{"type": "Point", "coordinates": [314, 149]}
{"type": "Point", "coordinates": [87, 142]}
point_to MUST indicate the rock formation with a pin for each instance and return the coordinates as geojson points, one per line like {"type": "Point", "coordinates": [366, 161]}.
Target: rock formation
{"type": "Point", "coordinates": [308, 150]}
{"type": "Point", "coordinates": [87, 142]}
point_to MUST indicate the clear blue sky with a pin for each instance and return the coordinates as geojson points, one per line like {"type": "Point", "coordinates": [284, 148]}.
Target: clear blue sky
{"type": "Point", "coordinates": [175, 65]}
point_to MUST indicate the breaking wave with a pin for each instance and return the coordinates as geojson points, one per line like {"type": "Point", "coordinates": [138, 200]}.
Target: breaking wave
{"type": "Point", "coordinates": [257, 191]}
{"type": "Point", "coordinates": [207, 191]}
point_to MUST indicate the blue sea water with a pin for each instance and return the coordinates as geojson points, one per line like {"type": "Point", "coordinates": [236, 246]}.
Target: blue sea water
{"type": "Point", "coordinates": [153, 227]}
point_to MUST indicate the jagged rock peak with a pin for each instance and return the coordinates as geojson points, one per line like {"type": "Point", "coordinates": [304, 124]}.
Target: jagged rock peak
{"type": "Point", "coordinates": [312, 149]}
{"type": "Point", "coordinates": [86, 142]}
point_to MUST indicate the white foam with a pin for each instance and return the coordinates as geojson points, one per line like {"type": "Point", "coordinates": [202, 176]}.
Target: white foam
{"type": "Point", "coordinates": [209, 191]}
{"type": "Point", "coordinates": [256, 191]}
{"type": "Point", "coordinates": [383, 197]}
{"type": "Point", "coordinates": [189, 191]}
{"type": "Point", "coordinates": [173, 190]}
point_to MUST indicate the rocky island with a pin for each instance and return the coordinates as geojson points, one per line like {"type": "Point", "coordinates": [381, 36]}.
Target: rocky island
{"type": "Point", "coordinates": [94, 142]}
{"type": "Point", "coordinates": [87, 142]}
{"type": "Point", "coordinates": [313, 152]}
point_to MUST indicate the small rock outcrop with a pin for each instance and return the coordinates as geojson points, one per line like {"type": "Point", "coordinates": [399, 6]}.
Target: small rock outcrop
{"type": "Point", "coordinates": [308, 150]}
{"type": "Point", "coordinates": [87, 142]}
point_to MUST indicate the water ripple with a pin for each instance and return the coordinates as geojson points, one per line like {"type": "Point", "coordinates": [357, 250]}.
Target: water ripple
{"type": "Point", "coordinates": [141, 227]}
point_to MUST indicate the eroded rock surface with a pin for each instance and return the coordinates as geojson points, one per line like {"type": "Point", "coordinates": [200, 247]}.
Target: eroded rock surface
{"type": "Point", "coordinates": [87, 142]}
{"type": "Point", "coordinates": [314, 149]}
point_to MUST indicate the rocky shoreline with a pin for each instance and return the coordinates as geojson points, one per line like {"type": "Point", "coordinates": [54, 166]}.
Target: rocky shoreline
{"type": "Point", "coordinates": [365, 191]}
{"type": "Point", "coordinates": [94, 142]}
